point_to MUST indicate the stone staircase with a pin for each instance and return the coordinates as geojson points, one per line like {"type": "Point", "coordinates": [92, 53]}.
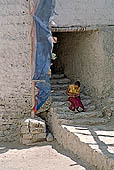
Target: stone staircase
{"type": "Point", "coordinates": [111, 104]}
{"type": "Point", "coordinates": [60, 104]}
{"type": "Point", "coordinates": [89, 135]}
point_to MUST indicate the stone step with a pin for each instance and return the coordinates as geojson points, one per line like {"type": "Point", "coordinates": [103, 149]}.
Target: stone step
{"type": "Point", "coordinates": [64, 98]}
{"type": "Point", "coordinates": [74, 116]}
{"type": "Point", "coordinates": [59, 98]}
{"type": "Point", "coordinates": [111, 100]}
{"type": "Point", "coordinates": [59, 86]}
{"type": "Point", "coordinates": [63, 92]}
{"type": "Point", "coordinates": [58, 93]}
{"type": "Point", "coordinates": [90, 107]}
{"type": "Point", "coordinates": [60, 81]}
{"type": "Point", "coordinates": [84, 96]}
{"type": "Point", "coordinates": [93, 144]}
{"type": "Point", "coordinates": [32, 131]}
{"type": "Point", "coordinates": [57, 76]}
{"type": "Point", "coordinates": [112, 108]}
{"type": "Point", "coordinates": [86, 102]}
{"type": "Point", "coordinates": [60, 104]}
{"type": "Point", "coordinates": [90, 121]}
{"type": "Point", "coordinates": [65, 106]}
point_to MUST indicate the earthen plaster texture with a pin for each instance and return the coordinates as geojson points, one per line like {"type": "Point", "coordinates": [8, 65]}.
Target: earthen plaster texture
{"type": "Point", "coordinates": [84, 12]}
{"type": "Point", "coordinates": [15, 74]}
{"type": "Point", "coordinates": [88, 57]}
{"type": "Point", "coordinates": [91, 54]}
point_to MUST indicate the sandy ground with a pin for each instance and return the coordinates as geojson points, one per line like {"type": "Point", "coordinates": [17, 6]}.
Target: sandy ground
{"type": "Point", "coordinates": [40, 157]}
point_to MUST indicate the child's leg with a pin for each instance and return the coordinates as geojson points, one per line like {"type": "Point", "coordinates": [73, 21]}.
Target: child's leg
{"type": "Point", "coordinates": [80, 104]}
{"type": "Point", "coordinates": [72, 107]}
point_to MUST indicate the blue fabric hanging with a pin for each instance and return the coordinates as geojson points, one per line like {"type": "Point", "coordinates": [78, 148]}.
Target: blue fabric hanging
{"type": "Point", "coordinates": [44, 46]}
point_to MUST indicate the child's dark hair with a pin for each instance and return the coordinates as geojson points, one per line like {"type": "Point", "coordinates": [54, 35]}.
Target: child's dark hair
{"type": "Point", "coordinates": [77, 83]}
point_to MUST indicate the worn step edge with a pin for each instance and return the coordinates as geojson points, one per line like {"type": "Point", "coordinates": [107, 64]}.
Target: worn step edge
{"type": "Point", "coordinates": [69, 141]}
{"type": "Point", "coordinates": [89, 121]}
{"type": "Point", "coordinates": [59, 88]}
{"type": "Point", "coordinates": [57, 76]}
{"type": "Point", "coordinates": [64, 99]}
{"type": "Point", "coordinates": [65, 108]}
{"type": "Point", "coordinates": [111, 100]}
{"type": "Point", "coordinates": [60, 81]}
{"type": "Point", "coordinates": [81, 115]}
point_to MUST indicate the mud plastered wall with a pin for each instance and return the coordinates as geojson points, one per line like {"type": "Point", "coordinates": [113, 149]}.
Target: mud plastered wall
{"type": "Point", "coordinates": [15, 74]}
{"type": "Point", "coordinates": [81, 55]}
{"type": "Point", "coordinates": [84, 12]}
{"type": "Point", "coordinates": [108, 49]}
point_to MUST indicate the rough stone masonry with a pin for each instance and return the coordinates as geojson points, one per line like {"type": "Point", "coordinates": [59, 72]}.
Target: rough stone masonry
{"type": "Point", "coordinates": [15, 72]}
{"type": "Point", "coordinates": [32, 131]}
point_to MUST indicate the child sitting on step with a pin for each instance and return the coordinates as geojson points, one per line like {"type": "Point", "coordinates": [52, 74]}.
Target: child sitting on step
{"type": "Point", "coordinates": [73, 92]}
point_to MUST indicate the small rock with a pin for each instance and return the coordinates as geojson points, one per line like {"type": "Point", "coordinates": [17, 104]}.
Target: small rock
{"type": "Point", "coordinates": [112, 108]}
{"type": "Point", "coordinates": [1, 134]}
{"type": "Point", "coordinates": [109, 114]}
{"type": "Point", "coordinates": [111, 100]}
{"type": "Point", "coordinates": [49, 137]}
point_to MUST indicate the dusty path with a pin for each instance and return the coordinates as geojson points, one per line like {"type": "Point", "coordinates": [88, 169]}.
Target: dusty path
{"type": "Point", "coordinates": [40, 157]}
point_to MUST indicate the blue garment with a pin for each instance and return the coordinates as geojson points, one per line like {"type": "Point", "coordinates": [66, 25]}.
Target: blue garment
{"type": "Point", "coordinates": [44, 47]}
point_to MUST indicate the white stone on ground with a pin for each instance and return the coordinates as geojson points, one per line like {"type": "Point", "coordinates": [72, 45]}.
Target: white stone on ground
{"type": "Point", "coordinates": [49, 137]}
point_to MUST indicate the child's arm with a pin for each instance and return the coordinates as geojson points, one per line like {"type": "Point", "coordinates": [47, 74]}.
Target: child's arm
{"type": "Point", "coordinates": [68, 93]}
{"type": "Point", "coordinates": [78, 93]}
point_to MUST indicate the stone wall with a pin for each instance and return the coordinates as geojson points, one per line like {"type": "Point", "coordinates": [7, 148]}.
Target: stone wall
{"type": "Point", "coordinates": [84, 12]}
{"type": "Point", "coordinates": [108, 48]}
{"type": "Point", "coordinates": [88, 57]}
{"type": "Point", "coordinates": [32, 131]}
{"type": "Point", "coordinates": [15, 74]}
{"type": "Point", "coordinates": [81, 56]}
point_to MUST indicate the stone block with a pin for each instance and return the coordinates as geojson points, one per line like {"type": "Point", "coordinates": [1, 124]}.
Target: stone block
{"type": "Point", "coordinates": [27, 136]}
{"type": "Point", "coordinates": [25, 122]}
{"type": "Point", "coordinates": [3, 139]}
{"type": "Point", "coordinates": [33, 130]}
{"type": "Point", "coordinates": [111, 100]}
{"type": "Point", "coordinates": [24, 129]}
{"type": "Point", "coordinates": [25, 141]}
{"type": "Point", "coordinates": [112, 108]}
{"type": "Point", "coordinates": [38, 138]}
{"type": "Point", "coordinates": [49, 137]}
{"type": "Point", "coordinates": [1, 134]}
{"type": "Point", "coordinates": [38, 130]}
{"type": "Point", "coordinates": [37, 123]}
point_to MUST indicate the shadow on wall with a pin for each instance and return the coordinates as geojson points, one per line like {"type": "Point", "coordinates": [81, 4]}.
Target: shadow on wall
{"type": "Point", "coordinates": [81, 57]}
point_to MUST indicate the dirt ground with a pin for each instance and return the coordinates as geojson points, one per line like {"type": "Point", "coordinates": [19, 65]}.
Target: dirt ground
{"type": "Point", "coordinates": [39, 157]}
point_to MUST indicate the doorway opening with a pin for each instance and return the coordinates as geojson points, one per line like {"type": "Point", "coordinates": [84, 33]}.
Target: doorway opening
{"type": "Point", "coordinates": [79, 56]}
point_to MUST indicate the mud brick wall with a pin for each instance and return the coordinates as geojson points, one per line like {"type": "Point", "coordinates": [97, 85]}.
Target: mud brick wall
{"type": "Point", "coordinates": [89, 57]}
{"type": "Point", "coordinates": [108, 48]}
{"type": "Point", "coordinates": [95, 53]}
{"type": "Point", "coordinates": [84, 12]}
{"type": "Point", "coordinates": [15, 74]}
